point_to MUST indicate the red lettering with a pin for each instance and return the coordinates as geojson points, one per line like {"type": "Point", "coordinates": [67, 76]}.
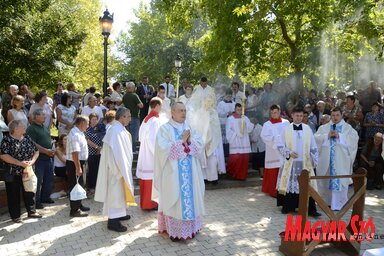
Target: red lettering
{"type": "Point", "coordinates": [332, 232]}
{"type": "Point", "coordinates": [355, 231]}
{"type": "Point", "coordinates": [341, 228]}
{"type": "Point", "coordinates": [307, 232]}
{"type": "Point", "coordinates": [368, 226]}
{"type": "Point", "coordinates": [291, 231]}
{"type": "Point", "coordinates": [324, 229]}
{"type": "Point", "coordinates": [361, 230]}
{"type": "Point", "coordinates": [316, 230]}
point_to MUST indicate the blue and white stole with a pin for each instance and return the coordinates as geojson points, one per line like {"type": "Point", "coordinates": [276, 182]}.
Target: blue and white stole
{"type": "Point", "coordinates": [185, 181]}
{"type": "Point", "coordinates": [334, 184]}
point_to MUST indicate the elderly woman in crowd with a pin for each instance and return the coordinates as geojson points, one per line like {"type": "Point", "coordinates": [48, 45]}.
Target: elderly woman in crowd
{"type": "Point", "coordinates": [94, 135]}
{"type": "Point", "coordinates": [18, 112]}
{"type": "Point", "coordinates": [65, 114]}
{"type": "Point", "coordinates": [18, 151]}
{"type": "Point", "coordinates": [372, 161]}
{"type": "Point", "coordinates": [374, 121]}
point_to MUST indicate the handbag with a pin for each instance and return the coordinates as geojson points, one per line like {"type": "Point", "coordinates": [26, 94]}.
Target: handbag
{"type": "Point", "coordinates": [78, 192]}
{"type": "Point", "coordinates": [29, 180]}
{"type": "Point", "coordinates": [6, 170]}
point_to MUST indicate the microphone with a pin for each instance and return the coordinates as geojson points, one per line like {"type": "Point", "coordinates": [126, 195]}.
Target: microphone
{"type": "Point", "coordinates": [334, 129]}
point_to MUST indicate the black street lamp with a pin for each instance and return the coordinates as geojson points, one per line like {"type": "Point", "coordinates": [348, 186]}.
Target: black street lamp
{"type": "Point", "coordinates": [106, 27]}
{"type": "Point", "coordinates": [178, 70]}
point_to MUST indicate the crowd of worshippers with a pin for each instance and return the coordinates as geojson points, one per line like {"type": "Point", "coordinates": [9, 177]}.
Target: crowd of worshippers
{"type": "Point", "coordinates": [216, 130]}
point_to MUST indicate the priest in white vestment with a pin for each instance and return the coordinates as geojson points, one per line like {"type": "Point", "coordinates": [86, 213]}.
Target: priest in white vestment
{"type": "Point", "coordinates": [224, 110]}
{"type": "Point", "coordinates": [238, 128]}
{"type": "Point", "coordinates": [178, 184]}
{"type": "Point", "coordinates": [114, 185]}
{"type": "Point", "coordinates": [146, 158]}
{"type": "Point", "coordinates": [271, 134]}
{"type": "Point", "coordinates": [205, 120]}
{"type": "Point", "coordinates": [300, 152]}
{"type": "Point", "coordinates": [165, 113]}
{"type": "Point", "coordinates": [337, 143]}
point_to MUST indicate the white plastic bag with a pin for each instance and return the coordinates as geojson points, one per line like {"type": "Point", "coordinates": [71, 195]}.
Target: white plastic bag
{"type": "Point", "coordinates": [29, 180]}
{"type": "Point", "coordinates": [57, 195]}
{"type": "Point", "coordinates": [78, 193]}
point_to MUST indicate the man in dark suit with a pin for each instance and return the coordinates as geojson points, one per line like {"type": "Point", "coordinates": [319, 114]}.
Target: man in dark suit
{"type": "Point", "coordinates": [145, 93]}
{"type": "Point", "coordinates": [320, 111]}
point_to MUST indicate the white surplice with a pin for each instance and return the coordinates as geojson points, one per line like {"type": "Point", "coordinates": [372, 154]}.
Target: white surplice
{"type": "Point", "coordinates": [165, 112]}
{"type": "Point", "coordinates": [166, 189]}
{"type": "Point", "coordinates": [146, 158]}
{"type": "Point", "coordinates": [223, 108]}
{"type": "Point", "coordinates": [271, 134]}
{"type": "Point", "coordinates": [114, 185]}
{"type": "Point", "coordinates": [239, 142]}
{"type": "Point", "coordinates": [205, 120]}
{"type": "Point", "coordinates": [344, 156]}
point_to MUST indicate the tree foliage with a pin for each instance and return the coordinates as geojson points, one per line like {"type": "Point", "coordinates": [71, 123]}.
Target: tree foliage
{"type": "Point", "coordinates": [40, 41]}
{"type": "Point", "coordinates": [149, 48]}
{"type": "Point", "coordinates": [280, 38]}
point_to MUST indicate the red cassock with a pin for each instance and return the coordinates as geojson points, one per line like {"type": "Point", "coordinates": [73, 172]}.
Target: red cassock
{"type": "Point", "coordinates": [237, 166]}
{"type": "Point", "coordinates": [145, 195]}
{"type": "Point", "coordinates": [270, 181]}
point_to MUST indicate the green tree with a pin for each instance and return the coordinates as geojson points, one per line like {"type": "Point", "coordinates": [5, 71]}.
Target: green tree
{"type": "Point", "coordinates": [149, 48]}
{"type": "Point", "coordinates": [279, 38]}
{"type": "Point", "coordinates": [45, 41]}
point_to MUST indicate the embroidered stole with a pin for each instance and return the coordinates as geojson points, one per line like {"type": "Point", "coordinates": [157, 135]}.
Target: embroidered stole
{"type": "Point", "coordinates": [185, 181]}
{"type": "Point", "coordinates": [334, 184]}
{"type": "Point", "coordinates": [291, 145]}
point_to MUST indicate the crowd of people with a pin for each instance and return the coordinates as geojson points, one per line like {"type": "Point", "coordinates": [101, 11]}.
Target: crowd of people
{"type": "Point", "coordinates": [182, 137]}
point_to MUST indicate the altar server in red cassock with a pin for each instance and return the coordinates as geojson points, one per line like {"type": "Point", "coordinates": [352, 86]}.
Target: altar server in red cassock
{"type": "Point", "coordinates": [238, 128]}
{"type": "Point", "coordinates": [146, 159]}
{"type": "Point", "coordinates": [271, 134]}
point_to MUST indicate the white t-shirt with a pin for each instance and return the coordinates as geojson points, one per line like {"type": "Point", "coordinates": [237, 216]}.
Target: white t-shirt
{"type": "Point", "coordinates": [86, 111]}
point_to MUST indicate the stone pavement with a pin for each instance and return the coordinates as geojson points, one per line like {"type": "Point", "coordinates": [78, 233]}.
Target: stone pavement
{"type": "Point", "coordinates": [238, 221]}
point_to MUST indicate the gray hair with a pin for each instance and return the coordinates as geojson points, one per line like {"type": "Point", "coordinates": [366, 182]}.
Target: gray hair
{"type": "Point", "coordinates": [37, 112]}
{"type": "Point", "coordinates": [80, 119]}
{"type": "Point", "coordinates": [121, 112]}
{"type": "Point", "coordinates": [14, 124]}
{"type": "Point", "coordinates": [173, 105]}
{"type": "Point", "coordinates": [131, 86]}
{"type": "Point", "coordinates": [320, 102]}
{"type": "Point", "coordinates": [14, 87]}
{"type": "Point", "coordinates": [92, 98]}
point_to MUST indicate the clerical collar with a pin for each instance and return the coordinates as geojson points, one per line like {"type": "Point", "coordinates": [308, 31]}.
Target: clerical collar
{"type": "Point", "coordinates": [178, 126]}
{"type": "Point", "coordinates": [297, 127]}
{"type": "Point", "coordinates": [227, 101]}
{"type": "Point", "coordinates": [338, 124]}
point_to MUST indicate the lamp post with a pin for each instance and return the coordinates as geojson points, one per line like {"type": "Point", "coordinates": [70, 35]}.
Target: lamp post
{"type": "Point", "coordinates": [178, 70]}
{"type": "Point", "coordinates": [106, 27]}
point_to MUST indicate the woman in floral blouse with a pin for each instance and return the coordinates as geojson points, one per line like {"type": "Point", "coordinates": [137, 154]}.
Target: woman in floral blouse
{"type": "Point", "coordinates": [18, 151]}
{"type": "Point", "coordinates": [94, 135]}
{"type": "Point", "coordinates": [374, 121]}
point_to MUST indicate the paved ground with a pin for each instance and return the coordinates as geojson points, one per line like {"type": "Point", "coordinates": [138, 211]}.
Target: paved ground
{"type": "Point", "coordinates": [239, 221]}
